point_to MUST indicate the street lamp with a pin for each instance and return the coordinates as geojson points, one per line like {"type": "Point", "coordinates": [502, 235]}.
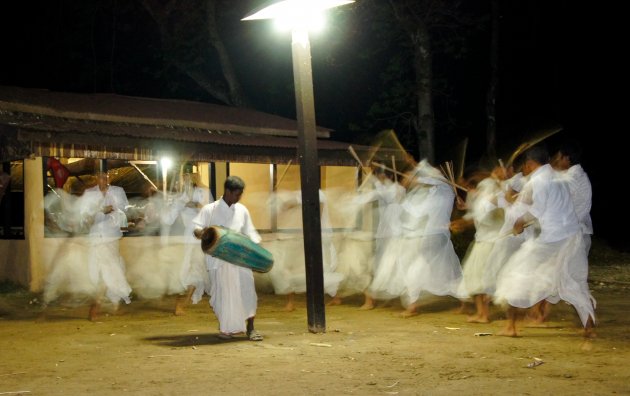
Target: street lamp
{"type": "Point", "coordinates": [300, 16]}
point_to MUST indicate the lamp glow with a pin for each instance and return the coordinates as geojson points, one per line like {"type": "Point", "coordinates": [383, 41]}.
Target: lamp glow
{"type": "Point", "coordinates": [296, 14]}
{"type": "Point", "coordinates": [166, 163]}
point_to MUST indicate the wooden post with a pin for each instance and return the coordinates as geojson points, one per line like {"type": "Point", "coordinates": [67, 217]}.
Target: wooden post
{"type": "Point", "coordinates": [310, 180]}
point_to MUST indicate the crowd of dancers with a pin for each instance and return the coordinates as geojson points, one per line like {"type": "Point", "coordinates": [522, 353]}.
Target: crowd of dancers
{"type": "Point", "coordinates": [530, 249]}
{"type": "Point", "coordinates": [531, 243]}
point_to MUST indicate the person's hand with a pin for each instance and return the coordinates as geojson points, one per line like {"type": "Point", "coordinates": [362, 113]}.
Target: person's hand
{"type": "Point", "coordinates": [460, 203]}
{"type": "Point", "coordinates": [511, 196]}
{"type": "Point", "coordinates": [458, 226]}
{"type": "Point", "coordinates": [519, 226]}
{"type": "Point", "coordinates": [198, 232]}
{"type": "Point", "coordinates": [108, 209]}
{"type": "Point", "coordinates": [191, 204]}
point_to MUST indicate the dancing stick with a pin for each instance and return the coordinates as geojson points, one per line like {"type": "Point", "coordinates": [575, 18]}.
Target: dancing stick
{"type": "Point", "coordinates": [394, 167]}
{"type": "Point", "coordinates": [365, 180]}
{"type": "Point", "coordinates": [372, 153]}
{"type": "Point", "coordinates": [511, 233]}
{"type": "Point", "coordinates": [460, 171]}
{"type": "Point", "coordinates": [390, 169]}
{"type": "Point", "coordinates": [447, 173]}
{"type": "Point", "coordinates": [356, 157]}
{"type": "Point", "coordinates": [531, 143]}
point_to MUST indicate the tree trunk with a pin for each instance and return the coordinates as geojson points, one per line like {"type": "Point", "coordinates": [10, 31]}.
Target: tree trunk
{"type": "Point", "coordinates": [235, 91]}
{"type": "Point", "coordinates": [423, 66]}
{"type": "Point", "coordinates": [491, 98]}
{"type": "Point", "coordinates": [233, 94]}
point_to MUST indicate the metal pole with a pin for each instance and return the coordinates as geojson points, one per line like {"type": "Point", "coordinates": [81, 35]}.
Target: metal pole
{"type": "Point", "coordinates": [309, 174]}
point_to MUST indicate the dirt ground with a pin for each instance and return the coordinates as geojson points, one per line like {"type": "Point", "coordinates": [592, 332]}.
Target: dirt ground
{"type": "Point", "coordinates": [144, 349]}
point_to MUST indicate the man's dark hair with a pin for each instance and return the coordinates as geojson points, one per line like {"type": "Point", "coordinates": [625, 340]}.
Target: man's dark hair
{"type": "Point", "coordinates": [234, 183]}
{"type": "Point", "coordinates": [571, 149]}
{"type": "Point", "coordinates": [538, 153]}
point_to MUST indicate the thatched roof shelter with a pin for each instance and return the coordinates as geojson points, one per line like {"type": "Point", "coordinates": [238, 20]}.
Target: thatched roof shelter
{"type": "Point", "coordinates": [36, 122]}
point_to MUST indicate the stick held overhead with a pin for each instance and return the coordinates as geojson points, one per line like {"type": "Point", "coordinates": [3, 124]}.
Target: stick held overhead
{"type": "Point", "coordinates": [356, 157]}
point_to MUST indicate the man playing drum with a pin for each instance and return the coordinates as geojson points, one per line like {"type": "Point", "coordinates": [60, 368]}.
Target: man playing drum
{"type": "Point", "coordinates": [233, 295]}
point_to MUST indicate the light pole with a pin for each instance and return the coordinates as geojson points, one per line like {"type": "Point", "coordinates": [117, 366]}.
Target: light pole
{"type": "Point", "coordinates": [300, 15]}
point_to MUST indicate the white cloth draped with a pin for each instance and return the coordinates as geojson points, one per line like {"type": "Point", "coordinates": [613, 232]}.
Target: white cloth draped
{"type": "Point", "coordinates": [233, 295]}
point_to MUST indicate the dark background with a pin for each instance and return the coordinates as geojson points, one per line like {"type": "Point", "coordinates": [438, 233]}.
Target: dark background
{"type": "Point", "coordinates": [554, 67]}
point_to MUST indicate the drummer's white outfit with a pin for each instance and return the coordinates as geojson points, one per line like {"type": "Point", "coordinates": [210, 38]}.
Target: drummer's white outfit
{"type": "Point", "coordinates": [233, 295]}
{"type": "Point", "coordinates": [105, 264]}
{"type": "Point", "coordinates": [552, 266]}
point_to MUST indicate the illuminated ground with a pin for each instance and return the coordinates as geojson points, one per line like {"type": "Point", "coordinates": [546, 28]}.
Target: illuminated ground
{"type": "Point", "coordinates": [146, 350]}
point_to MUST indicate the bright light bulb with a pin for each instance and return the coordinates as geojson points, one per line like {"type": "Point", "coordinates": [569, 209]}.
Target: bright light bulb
{"type": "Point", "coordinates": [297, 14]}
{"type": "Point", "coordinates": [166, 162]}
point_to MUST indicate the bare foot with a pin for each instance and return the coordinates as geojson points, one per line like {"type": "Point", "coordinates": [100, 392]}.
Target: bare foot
{"type": "Point", "coordinates": [42, 317]}
{"type": "Point", "coordinates": [407, 313]}
{"type": "Point", "coordinates": [289, 307]}
{"type": "Point", "coordinates": [335, 301]}
{"type": "Point", "coordinates": [508, 332]}
{"type": "Point", "coordinates": [180, 304]}
{"type": "Point", "coordinates": [589, 333]}
{"type": "Point", "coordinates": [94, 311]}
{"type": "Point", "coordinates": [477, 319]}
{"type": "Point", "coordinates": [461, 310]}
{"type": "Point", "coordinates": [366, 306]}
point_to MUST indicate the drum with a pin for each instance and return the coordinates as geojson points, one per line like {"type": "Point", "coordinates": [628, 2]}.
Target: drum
{"type": "Point", "coordinates": [236, 248]}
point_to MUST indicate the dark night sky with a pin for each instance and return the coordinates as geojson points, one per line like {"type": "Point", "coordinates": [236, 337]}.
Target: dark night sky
{"type": "Point", "coordinates": [547, 72]}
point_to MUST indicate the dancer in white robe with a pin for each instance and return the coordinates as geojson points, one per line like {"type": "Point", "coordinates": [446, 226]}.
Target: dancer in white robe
{"type": "Point", "coordinates": [361, 265]}
{"type": "Point", "coordinates": [422, 261]}
{"type": "Point", "coordinates": [233, 295]}
{"type": "Point", "coordinates": [288, 275]}
{"type": "Point", "coordinates": [553, 266]}
{"type": "Point", "coordinates": [399, 253]}
{"type": "Point", "coordinates": [487, 217]}
{"type": "Point", "coordinates": [194, 272]}
{"type": "Point", "coordinates": [105, 206]}
{"type": "Point", "coordinates": [436, 270]}
{"type": "Point", "coordinates": [567, 161]}
{"type": "Point", "coordinates": [506, 243]}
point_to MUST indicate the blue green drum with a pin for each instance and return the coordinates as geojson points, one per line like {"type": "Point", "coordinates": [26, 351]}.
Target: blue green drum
{"type": "Point", "coordinates": [235, 248]}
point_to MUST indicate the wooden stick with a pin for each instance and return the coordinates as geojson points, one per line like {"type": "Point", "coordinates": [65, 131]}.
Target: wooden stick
{"type": "Point", "coordinates": [373, 152]}
{"type": "Point", "coordinates": [394, 167]}
{"type": "Point", "coordinates": [356, 157]}
{"type": "Point", "coordinates": [282, 175]}
{"type": "Point", "coordinates": [444, 172]}
{"type": "Point", "coordinates": [529, 223]}
{"type": "Point", "coordinates": [449, 166]}
{"type": "Point", "coordinates": [460, 171]}
{"type": "Point", "coordinates": [390, 169]}
{"type": "Point", "coordinates": [447, 181]}
{"type": "Point", "coordinates": [449, 176]}
{"type": "Point", "coordinates": [523, 147]}
{"type": "Point", "coordinates": [365, 180]}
